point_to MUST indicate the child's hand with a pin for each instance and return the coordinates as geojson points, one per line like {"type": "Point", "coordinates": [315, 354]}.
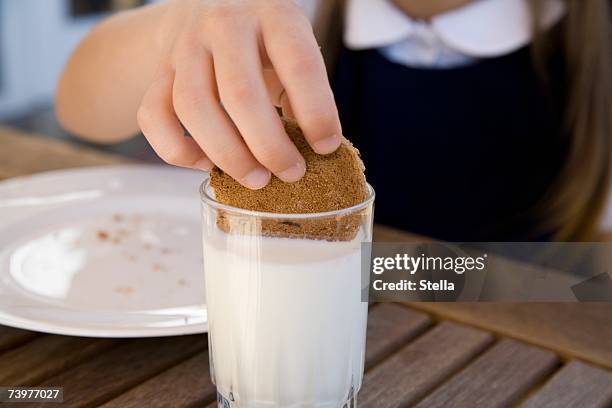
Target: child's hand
{"type": "Point", "coordinates": [250, 55]}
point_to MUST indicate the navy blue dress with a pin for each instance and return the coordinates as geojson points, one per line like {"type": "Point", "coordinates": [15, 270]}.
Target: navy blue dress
{"type": "Point", "coordinates": [460, 154]}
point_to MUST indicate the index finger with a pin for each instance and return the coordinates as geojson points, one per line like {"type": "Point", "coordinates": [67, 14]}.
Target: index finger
{"type": "Point", "coordinates": [295, 55]}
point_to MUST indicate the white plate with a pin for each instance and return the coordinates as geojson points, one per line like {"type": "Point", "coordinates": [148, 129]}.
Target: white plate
{"type": "Point", "coordinates": [109, 251]}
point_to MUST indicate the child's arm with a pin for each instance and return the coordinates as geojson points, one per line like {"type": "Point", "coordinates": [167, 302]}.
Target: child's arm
{"type": "Point", "coordinates": [154, 66]}
{"type": "Point", "coordinates": [103, 82]}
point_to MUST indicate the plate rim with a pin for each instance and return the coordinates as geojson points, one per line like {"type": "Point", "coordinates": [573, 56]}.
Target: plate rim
{"type": "Point", "coordinates": [50, 174]}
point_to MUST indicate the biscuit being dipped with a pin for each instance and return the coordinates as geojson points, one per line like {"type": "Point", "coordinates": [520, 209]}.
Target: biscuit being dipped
{"type": "Point", "coordinates": [331, 182]}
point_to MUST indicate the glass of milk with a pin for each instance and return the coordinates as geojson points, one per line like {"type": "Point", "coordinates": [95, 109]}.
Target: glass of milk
{"type": "Point", "coordinates": [287, 324]}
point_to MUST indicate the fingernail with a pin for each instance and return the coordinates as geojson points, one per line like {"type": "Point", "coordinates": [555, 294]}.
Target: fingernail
{"type": "Point", "coordinates": [203, 164]}
{"type": "Point", "coordinates": [327, 145]}
{"type": "Point", "coordinates": [293, 173]}
{"type": "Point", "coordinates": [256, 179]}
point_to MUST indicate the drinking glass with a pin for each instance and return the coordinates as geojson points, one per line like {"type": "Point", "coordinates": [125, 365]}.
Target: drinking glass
{"type": "Point", "coordinates": [287, 325]}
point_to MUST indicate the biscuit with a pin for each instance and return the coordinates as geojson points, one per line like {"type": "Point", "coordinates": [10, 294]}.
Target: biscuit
{"type": "Point", "coordinates": [332, 182]}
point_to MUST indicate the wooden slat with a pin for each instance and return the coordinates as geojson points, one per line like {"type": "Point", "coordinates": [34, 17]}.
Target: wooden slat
{"type": "Point", "coordinates": [574, 330]}
{"type": "Point", "coordinates": [22, 153]}
{"type": "Point", "coordinates": [185, 385]}
{"type": "Point", "coordinates": [576, 385]}
{"type": "Point", "coordinates": [10, 337]}
{"type": "Point", "coordinates": [46, 356]}
{"type": "Point", "coordinates": [421, 365]}
{"type": "Point", "coordinates": [497, 378]}
{"type": "Point", "coordinates": [390, 326]}
{"type": "Point", "coordinates": [115, 371]}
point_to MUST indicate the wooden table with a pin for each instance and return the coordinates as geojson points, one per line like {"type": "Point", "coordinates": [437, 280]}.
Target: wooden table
{"type": "Point", "coordinates": [421, 354]}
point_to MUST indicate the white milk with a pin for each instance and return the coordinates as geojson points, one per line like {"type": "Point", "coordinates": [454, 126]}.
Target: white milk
{"type": "Point", "coordinates": [286, 321]}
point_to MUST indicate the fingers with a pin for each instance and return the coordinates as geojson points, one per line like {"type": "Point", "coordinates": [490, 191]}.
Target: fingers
{"type": "Point", "coordinates": [244, 136]}
{"type": "Point", "coordinates": [197, 105]}
{"type": "Point", "coordinates": [273, 86]}
{"type": "Point", "coordinates": [291, 47]}
{"type": "Point", "coordinates": [162, 129]}
{"type": "Point", "coordinates": [244, 95]}
{"type": "Point", "coordinates": [285, 105]}
{"type": "Point", "coordinates": [277, 93]}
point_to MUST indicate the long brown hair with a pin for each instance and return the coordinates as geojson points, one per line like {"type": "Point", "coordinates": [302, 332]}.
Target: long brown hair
{"type": "Point", "coordinates": [574, 203]}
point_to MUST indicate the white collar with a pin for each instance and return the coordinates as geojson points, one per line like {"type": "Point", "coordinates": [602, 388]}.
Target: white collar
{"type": "Point", "coordinates": [483, 28]}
